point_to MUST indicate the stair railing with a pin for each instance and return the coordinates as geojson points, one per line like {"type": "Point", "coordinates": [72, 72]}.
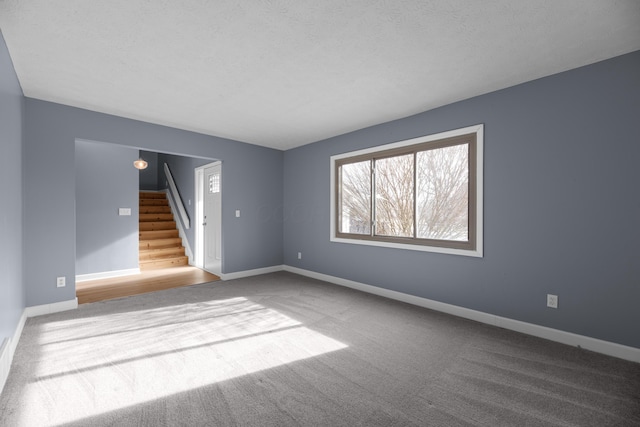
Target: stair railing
{"type": "Point", "coordinates": [176, 196]}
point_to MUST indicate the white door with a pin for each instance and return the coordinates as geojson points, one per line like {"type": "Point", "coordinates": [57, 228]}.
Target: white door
{"type": "Point", "coordinates": [212, 218]}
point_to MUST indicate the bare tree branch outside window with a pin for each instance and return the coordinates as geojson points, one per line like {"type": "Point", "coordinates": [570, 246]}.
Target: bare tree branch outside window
{"type": "Point", "coordinates": [423, 193]}
{"type": "Point", "coordinates": [394, 196]}
{"type": "Point", "coordinates": [440, 198]}
{"type": "Point", "coordinates": [355, 197]}
{"type": "Point", "coordinates": [442, 182]}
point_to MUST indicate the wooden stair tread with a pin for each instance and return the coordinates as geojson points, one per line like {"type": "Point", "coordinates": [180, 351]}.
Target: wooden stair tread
{"type": "Point", "coordinates": [154, 209]}
{"type": "Point", "coordinates": [163, 263]}
{"type": "Point", "coordinates": [152, 195]}
{"type": "Point", "coordinates": [157, 234]}
{"type": "Point", "coordinates": [148, 254]}
{"type": "Point", "coordinates": [156, 225]}
{"type": "Point", "coordinates": [153, 202]}
{"type": "Point", "coordinates": [167, 257]}
{"type": "Point", "coordinates": [159, 243]}
{"type": "Point", "coordinates": [150, 217]}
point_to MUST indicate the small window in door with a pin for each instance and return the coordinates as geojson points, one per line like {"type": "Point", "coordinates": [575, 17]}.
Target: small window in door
{"type": "Point", "coordinates": [214, 183]}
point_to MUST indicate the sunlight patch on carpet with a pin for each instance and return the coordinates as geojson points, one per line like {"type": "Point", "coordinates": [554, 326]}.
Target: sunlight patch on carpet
{"type": "Point", "coordinates": [97, 365]}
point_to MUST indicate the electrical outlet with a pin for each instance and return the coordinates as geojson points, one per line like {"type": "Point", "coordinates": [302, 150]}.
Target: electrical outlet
{"type": "Point", "coordinates": [299, 255]}
{"type": "Point", "coordinates": [552, 301]}
{"type": "Point", "coordinates": [61, 282]}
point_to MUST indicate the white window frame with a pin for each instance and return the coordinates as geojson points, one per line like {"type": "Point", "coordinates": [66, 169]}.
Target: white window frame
{"type": "Point", "coordinates": [478, 251]}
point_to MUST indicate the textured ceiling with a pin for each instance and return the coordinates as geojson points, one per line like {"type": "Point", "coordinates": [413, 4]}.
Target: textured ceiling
{"type": "Point", "coordinates": [283, 73]}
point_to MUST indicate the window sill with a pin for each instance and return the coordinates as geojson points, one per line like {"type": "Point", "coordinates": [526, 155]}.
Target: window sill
{"type": "Point", "coordinates": [477, 253]}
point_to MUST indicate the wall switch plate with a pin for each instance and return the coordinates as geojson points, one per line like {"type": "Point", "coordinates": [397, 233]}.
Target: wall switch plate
{"type": "Point", "coordinates": [299, 255]}
{"type": "Point", "coordinates": [61, 282]}
{"type": "Point", "coordinates": [124, 211]}
{"type": "Point", "coordinates": [552, 301]}
{"type": "Point", "coordinates": [237, 213]}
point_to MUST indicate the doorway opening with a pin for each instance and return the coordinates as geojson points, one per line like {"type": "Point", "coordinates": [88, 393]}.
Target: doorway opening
{"type": "Point", "coordinates": [208, 212]}
{"type": "Point", "coordinates": [113, 248]}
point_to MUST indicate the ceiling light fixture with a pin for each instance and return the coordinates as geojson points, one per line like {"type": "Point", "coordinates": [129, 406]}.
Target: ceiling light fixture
{"type": "Point", "coordinates": [140, 163]}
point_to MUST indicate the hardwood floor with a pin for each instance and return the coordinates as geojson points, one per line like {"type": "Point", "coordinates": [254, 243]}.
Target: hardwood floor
{"type": "Point", "coordinates": [146, 281]}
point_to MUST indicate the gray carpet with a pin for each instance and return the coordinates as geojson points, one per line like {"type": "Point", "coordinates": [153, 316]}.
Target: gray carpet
{"type": "Point", "coordinates": [281, 349]}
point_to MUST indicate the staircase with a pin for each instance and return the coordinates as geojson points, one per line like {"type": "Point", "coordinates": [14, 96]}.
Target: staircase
{"type": "Point", "coordinates": [160, 245]}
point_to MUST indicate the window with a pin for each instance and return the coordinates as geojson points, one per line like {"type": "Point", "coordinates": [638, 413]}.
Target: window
{"type": "Point", "coordinates": [421, 194]}
{"type": "Point", "coordinates": [214, 183]}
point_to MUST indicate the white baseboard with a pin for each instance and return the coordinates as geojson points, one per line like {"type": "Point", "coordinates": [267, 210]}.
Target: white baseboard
{"type": "Point", "coordinates": [588, 343]}
{"type": "Point", "coordinates": [40, 310]}
{"type": "Point", "coordinates": [106, 275]}
{"type": "Point", "coordinates": [8, 349]}
{"type": "Point", "coordinates": [249, 273]}
{"type": "Point", "coordinates": [6, 357]}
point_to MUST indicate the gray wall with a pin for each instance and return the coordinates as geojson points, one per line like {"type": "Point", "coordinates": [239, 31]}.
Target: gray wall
{"type": "Point", "coordinates": [149, 176]}
{"type": "Point", "coordinates": [105, 181]}
{"type": "Point", "coordinates": [252, 181]}
{"type": "Point", "coordinates": [562, 205]}
{"type": "Point", "coordinates": [12, 289]}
